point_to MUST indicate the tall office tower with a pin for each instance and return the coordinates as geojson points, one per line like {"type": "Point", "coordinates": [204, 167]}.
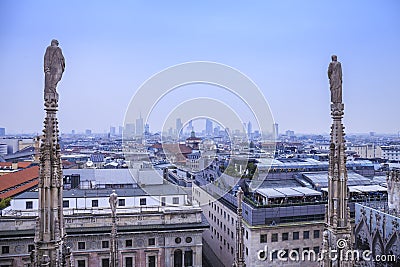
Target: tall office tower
{"type": "Point", "coordinates": [276, 131]}
{"type": "Point", "coordinates": [139, 126]}
{"type": "Point", "coordinates": [2, 131]}
{"type": "Point", "coordinates": [147, 128]}
{"type": "Point", "coordinates": [249, 128]}
{"type": "Point", "coordinates": [120, 130]}
{"type": "Point", "coordinates": [209, 127]}
{"type": "Point", "coordinates": [49, 235]}
{"type": "Point", "coordinates": [337, 234]}
{"type": "Point", "coordinates": [129, 130]}
{"type": "Point", "coordinates": [179, 126]}
{"type": "Point", "coordinates": [112, 130]}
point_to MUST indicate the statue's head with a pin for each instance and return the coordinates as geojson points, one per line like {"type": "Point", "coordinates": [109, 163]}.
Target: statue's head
{"type": "Point", "coordinates": [334, 58]}
{"type": "Point", "coordinates": [54, 42]}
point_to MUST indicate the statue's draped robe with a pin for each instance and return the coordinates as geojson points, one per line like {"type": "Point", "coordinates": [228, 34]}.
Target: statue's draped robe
{"type": "Point", "coordinates": [54, 65]}
{"type": "Point", "coordinates": [335, 80]}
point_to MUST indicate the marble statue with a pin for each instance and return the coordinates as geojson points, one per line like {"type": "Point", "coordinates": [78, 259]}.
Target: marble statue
{"type": "Point", "coordinates": [335, 80]}
{"type": "Point", "coordinates": [54, 65]}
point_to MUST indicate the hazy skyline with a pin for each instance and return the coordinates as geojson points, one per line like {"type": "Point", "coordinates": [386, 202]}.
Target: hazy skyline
{"type": "Point", "coordinates": [111, 48]}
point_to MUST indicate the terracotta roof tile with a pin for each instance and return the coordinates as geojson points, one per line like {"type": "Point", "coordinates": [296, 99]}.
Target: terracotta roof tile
{"type": "Point", "coordinates": [17, 182]}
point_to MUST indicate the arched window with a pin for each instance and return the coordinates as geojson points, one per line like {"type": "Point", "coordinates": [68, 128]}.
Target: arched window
{"type": "Point", "coordinates": [178, 258]}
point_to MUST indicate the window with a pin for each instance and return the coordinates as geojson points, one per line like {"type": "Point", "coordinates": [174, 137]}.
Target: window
{"type": "Point", "coordinates": [247, 251]}
{"type": "Point", "coordinates": [31, 247]}
{"type": "Point", "coordinates": [178, 258]}
{"type": "Point", "coordinates": [316, 233]}
{"type": "Point", "coordinates": [188, 239]}
{"type": "Point", "coordinates": [296, 235]}
{"type": "Point", "coordinates": [285, 236]}
{"type": "Point", "coordinates": [152, 261]}
{"type": "Point", "coordinates": [142, 201]}
{"type": "Point", "coordinates": [247, 235]}
{"type": "Point", "coordinates": [81, 263]}
{"type": "Point", "coordinates": [163, 203]}
{"type": "Point", "coordinates": [128, 262]}
{"type": "Point", "coordinates": [178, 240]}
{"type": "Point", "coordinates": [274, 238]}
{"type": "Point", "coordinates": [263, 238]}
{"type": "Point", "coordinates": [104, 244]}
{"type": "Point", "coordinates": [128, 243]}
{"type": "Point", "coordinates": [188, 258]}
{"type": "Point", "coordinates": [316, 250]}
{"type": "Point", "coordinates": [105, 263]}
{"type": "Point", "coordinates": [175, 200]}
{"type": "Point", "coordinates": [152, 241]}
{"type": "Point", "coordinates": [232, 250]}
{"type": "Point", "coordinates": [5, 249]}
{"type": "Point", "coordinates": [274, 255]}
{"type": "Point", "coordinates": [66, 204]}
{"type": "Point", "coordinates": [95, 203]}
{"type": "Point", "coordinates": [306, 234]}
{"type": "Point", "coordinates": [81, 245]}
{"type": "Point", "coordinates": [29, 205]}
{"type": "Point", "coordinates": [121, 202]}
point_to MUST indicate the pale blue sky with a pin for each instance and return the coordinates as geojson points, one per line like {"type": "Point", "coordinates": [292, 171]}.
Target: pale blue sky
{"type": "Point", "coordinates": [112, 47]}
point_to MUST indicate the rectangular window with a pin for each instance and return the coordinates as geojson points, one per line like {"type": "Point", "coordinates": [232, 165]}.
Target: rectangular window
{"type": "Point", "coordinates": [316, 233]}
{"type": "Point", "coordinates": [163, 202]}
{"type": "Point", "coordinates": [31, 247]}
{"type": "Point", "coordinates": [316, 250]}
{"type": "Point", "coordinates": [81, 245]}
{"type": "Point", "coordinates": [95, 203]}
{"type": "Point", "coordinates": [285, 236]}
{"type": "Point", "coordinates": [175, 200]}
{"type": "Point", "coordinates": [105, 263]}
{"type": "Point", "coordinates": [128, 243]}
{"type": "Point", "coordinates": [81, 263]}
{"type": "Point", "coordinates": [306, 234]}
{"type": "Point", "coordinates": [296, 235]}
{"type": "Point", "coordinates": [128, 262]}
{"type": "Point", "coordinates": [5, 249]}
{"type": "Point", "coordinates": [152, 241]}
{"type": "Point", "coordinates": [247, 235]}
{"type": "Point", "coordinates": [151, 261]}
{"type": "Point", "coordinates": [66, 204]}
{"type": "Point", "coordinates": [104, 244]}
{"type": "Point", "coordinates": [142, 201]}
{"type": "Point", "coordinates": [274, 238]}
{"type": "Point", "coordinates": [29, 205]}
{"type": "Point", "coordinates": [263, 238]}
{"type": "Point", "coordinates": [121, 202]}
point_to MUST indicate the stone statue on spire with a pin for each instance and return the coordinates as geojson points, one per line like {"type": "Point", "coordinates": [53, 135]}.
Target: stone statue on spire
{"type": "Point", "coordinates": [54, 65]}
{"type": "Point", "coordinates": [335, 80]}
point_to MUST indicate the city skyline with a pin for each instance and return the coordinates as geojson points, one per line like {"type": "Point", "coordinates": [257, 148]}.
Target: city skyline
{"type": "Point", "coordinates": [283, 47]}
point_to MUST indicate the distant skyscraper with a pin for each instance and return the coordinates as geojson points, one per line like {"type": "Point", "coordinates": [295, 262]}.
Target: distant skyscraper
{"type": "Point", "coordinates": [190, 127]}
{"type": "Point", "coordinates": [209, 127]}
{"type": "Point", "coordinates": [88, 132]}
{"type": "Point", "coordinates": [73, 132]}
{"type": "Point", "coordinates": [179, 126]}
{"type": "Point", "coordinates": [276, 130]}
{"type": "Point", "coordinates": [112, 130]}
{"type": "Point", "coordinates": [147, 128]}
{"type": "Point", "coordinates": [129, 130]}
{"type": "Point", "coordinates": [2, 131]}
{"type": "Point", "coordinates": [120, 130]}
{"type": "Point", "coordinates": [139, 126]}
{"type": "Point", "coordinates": [249, 128]}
